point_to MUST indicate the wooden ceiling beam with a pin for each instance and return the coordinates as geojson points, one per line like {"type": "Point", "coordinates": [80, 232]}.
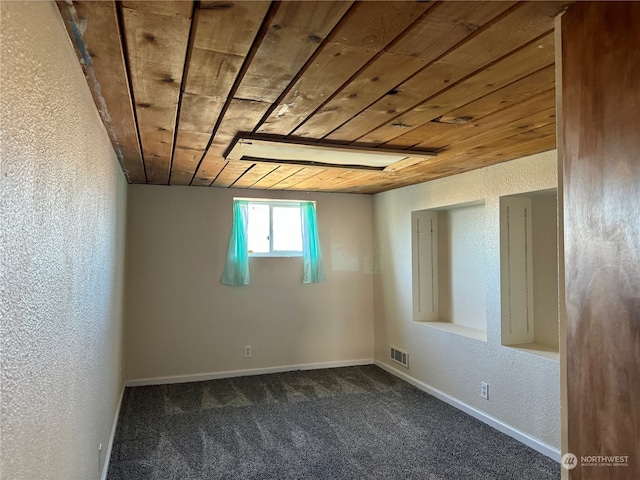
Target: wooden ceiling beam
{"type": "Point", "coordinates": [322, 180]}
{"type": "Point", "coordinates": [240, 116]}
{"type": "Point", "coordinates": [510, 95]}
{"type": "Point", "coordinates": [455, 124]}
{"type": "Point", "coordinates": [515, 130]}
{"type": "Point", "coordinates": [293, 34]}
{"type": "Point", "coordinates": [538, 139]}
{"type": "Point", "coordinates": [490, 136]}
{"type": "Point", "coordinates": [495, 122]}
{"type": "Point", "coordinates": [438, 30]}
{"type": "Point", "coordinates": [520, 25]}
{"type": "Point", "coordinates": [157, 35]}
{"type": "Point", "coordinates": [95, 33]}
{"type": "Point", "coordinates": [517, 145]}
{"type": "Point", "coordinates": [351, 179]}
{"type": "Point", "coordinates": [296, 178]}
{"type": "Point", "coordinates": [522, 63]}
{"type": "Point", "coordinates": [221, 39]}
{"type": "Point", "coordinates": [537, 142]}
{"type": "Point", "coordinates": [231, 172]}
{"type": "Point", "coordinates": [279, 174]}
{"type": "Point", "coordinates": [500, 150]}
{"type": "Point", "coordinates": [256, 173]}
{"type": "Point", "coordinates": [429, 134]}
{"type": "Point", "coordinates": [346, 51]}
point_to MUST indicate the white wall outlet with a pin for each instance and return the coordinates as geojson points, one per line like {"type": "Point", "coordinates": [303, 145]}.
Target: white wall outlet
{"type": "Point", "coordinates": [484, 390]}
{"type": "Point", "coordinates": [247, 351]}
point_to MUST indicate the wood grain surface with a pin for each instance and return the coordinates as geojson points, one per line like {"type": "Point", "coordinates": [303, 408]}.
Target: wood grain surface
{"type": "Point", "coordinates": [601, 142]}
{"type": "Point", "coordinates": [177, 81]}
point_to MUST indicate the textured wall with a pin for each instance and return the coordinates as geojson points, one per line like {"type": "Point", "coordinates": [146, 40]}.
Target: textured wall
{"type": "Point", "coordinates": [461, 275]}
{"type": "Point", "coordinates": [182, 321]}
{"type": "Point", "coordinates": [63, 201]}
{"type": "Point", "coordinates": [524, 387]}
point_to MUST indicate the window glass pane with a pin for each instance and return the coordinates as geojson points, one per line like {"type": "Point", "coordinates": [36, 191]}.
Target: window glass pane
{"type": "Point", "coordinates": [258, 228]}
{"type": "Point", "coordinates": [287, 230]}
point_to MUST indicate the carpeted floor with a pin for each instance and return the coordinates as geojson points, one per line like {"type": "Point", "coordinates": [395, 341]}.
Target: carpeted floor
{"type": "Point", "coordinates": [342, 423]}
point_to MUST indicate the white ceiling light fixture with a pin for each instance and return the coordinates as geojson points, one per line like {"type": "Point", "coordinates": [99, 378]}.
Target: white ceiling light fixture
{"type": "Point", "coordinates": [264, 148]}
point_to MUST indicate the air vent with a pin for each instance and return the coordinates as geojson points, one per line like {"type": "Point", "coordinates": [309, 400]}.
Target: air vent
{"type": "Point", "coordinates": [400, 357]}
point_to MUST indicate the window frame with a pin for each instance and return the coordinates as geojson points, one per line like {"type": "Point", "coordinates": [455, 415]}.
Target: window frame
{"type": "Point", "coordinates": [275, 203]}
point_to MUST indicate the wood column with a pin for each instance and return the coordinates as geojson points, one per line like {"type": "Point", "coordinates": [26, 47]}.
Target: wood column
{"type": "Point", "coordinates": [601, 163]}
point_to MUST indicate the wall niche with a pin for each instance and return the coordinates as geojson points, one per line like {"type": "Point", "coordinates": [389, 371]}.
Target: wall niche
{"type": "Point", "coordinates": [529, 271]}
{"type": "Point", "coordinates": [448, 266]}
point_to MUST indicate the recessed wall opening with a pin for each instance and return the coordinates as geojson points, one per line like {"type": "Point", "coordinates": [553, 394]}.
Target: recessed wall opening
{"type": "Point", "coordinates": [529, 271]}
{"type": "Point", "coordinates": [448, 262]}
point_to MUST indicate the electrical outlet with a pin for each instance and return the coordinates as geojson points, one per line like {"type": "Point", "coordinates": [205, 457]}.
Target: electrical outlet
{"type": "Point", "coordinates": [484, 390]}
{"type": "Point", "coordinates": [247, 351]}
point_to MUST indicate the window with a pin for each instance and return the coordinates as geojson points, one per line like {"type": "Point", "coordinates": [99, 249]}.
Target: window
{"type": "Point", "coordinates": [274, 229]}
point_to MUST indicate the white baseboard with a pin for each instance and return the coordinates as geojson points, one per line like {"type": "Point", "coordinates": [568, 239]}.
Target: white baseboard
{"type": "Point", "coordinates": [107, 457]}
{"type": "Point", "coordinates": [537, 445]}
{"type": "Point", "coordinates": [243, 373]}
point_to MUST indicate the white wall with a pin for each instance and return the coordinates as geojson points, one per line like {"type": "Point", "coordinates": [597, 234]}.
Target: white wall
{"type": "Point", "coordinates": [63, 201]}
{"type": "Point", "coordinates": [461, 252]}
{"type": "Point", "coordinates": [524, 387]}
{"type": "Point", "coordinates": [182, 321]}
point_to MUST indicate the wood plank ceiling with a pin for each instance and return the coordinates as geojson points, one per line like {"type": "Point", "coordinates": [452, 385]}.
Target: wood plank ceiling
{"type": "Point", "coordinates": [175, 82]}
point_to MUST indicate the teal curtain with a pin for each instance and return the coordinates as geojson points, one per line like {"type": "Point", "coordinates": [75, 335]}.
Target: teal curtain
{"type": "Point", "coordinates": [311, 254]}
{"type": "Point", "coordinates": [236, 271]}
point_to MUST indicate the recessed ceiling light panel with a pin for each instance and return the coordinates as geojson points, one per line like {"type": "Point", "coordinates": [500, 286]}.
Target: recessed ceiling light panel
{"type": "Point", "coordinates": [263, 149]}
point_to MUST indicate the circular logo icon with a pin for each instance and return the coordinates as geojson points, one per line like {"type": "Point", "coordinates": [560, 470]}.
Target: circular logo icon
{"type": "Point", "coordinates": [569, 461]}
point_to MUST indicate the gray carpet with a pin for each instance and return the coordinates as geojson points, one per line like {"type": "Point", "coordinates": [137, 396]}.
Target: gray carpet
{"type": "Point", "coordinates": [342, 423]}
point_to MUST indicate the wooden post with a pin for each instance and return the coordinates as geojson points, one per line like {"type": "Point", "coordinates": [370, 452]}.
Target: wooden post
{"type": "Point", "coordinates": [601, 163]}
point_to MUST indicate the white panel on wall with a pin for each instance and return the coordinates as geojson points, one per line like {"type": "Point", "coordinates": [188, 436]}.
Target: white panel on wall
{"type": "Point", "coordinates": [545, 268]}
{"type": "Point", "coordinates": [424, 233]}
{"type": "Point", "coordinates": [516, 254]}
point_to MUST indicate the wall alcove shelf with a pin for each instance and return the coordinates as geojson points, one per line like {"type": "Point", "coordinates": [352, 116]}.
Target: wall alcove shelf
{"type": "Point", "coordinates": [529, 272]}
{"type": "Point", "coordinates": [448, 259]}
